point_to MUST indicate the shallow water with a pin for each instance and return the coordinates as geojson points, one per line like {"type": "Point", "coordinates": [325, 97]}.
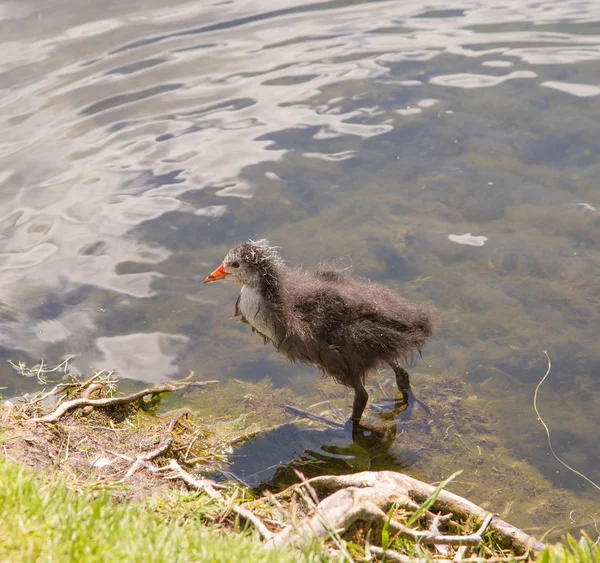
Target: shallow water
{"type": "Point", "coordinates": [449, 150]}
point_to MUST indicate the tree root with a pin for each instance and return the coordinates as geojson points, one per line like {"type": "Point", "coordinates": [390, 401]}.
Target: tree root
{"type": "Point", "coordinates": [367, 497]}
{"type": "Point", "coordinates": [385, 489]}
{"type": "Point", "coordinates": [67, 406]}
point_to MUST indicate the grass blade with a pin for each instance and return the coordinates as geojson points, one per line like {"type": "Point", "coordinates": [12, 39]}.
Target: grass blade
{"type": "Point", "coordinates": [431, 499]}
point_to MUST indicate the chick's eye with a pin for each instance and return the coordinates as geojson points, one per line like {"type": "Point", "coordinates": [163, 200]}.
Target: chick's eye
{"type": "Point", "coordinates": [235, 264]}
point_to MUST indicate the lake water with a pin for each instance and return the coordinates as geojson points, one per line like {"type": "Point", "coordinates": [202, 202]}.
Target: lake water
{"type": "Point", "coordinates": [449, 150]}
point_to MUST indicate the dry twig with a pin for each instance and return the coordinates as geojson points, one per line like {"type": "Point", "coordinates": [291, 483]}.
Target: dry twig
{"type": "Point", "coordinates": [164, 445]}
{"type": "Point", "coordinates": [209, 487]}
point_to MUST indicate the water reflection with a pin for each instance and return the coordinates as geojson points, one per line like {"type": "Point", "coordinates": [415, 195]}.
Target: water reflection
{"type": "Point", "coordinates": [141, 142]}
{"type": "Point", "coordinates": [269, 460]}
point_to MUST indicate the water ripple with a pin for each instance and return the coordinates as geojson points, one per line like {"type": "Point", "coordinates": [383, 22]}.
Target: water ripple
{"type": "Point", "coordinates": [131, 132]}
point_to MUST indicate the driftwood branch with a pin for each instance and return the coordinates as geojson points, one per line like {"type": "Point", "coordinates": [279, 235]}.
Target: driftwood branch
{"type": "Point", "coordinates": [111, 401]}
{"type": "Point", "coordinates": [369, 495]}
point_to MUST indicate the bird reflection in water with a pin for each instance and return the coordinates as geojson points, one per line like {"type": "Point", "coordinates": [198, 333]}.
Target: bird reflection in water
{"type": "Point", "coordinates": [269, 460]}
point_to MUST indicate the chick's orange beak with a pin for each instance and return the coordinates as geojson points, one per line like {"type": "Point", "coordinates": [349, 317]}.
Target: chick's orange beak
{"type": "Point", "coordinates": [218, 274]}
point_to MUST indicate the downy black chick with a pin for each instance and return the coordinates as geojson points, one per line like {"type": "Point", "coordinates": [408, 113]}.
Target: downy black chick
{"type": "Point", "coordinates": [344, 325]}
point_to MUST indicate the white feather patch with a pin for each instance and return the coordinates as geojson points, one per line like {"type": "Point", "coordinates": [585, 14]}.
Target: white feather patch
{"type": "Point", "coordinates": [253, 307]}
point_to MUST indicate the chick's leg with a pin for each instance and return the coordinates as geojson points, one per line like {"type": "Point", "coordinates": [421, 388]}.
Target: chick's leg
{"type": "Point", "coordinates": [402, 378]}
{"type": "Point", "coordinates": [360, 402]}
{"type": "Point", "coordinates": [408, 398]}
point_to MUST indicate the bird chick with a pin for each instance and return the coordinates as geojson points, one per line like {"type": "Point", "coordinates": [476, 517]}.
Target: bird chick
{"type": "Point", "coordinates": [343, 325]}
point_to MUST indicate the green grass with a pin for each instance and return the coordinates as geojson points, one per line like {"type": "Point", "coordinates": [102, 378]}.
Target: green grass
{"type": "Point", "coordinates": [571, 551]}
{"type": "Point", "coordinates": [42, 521]}
{"type": "Point", "coordinates": [47, 522]}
